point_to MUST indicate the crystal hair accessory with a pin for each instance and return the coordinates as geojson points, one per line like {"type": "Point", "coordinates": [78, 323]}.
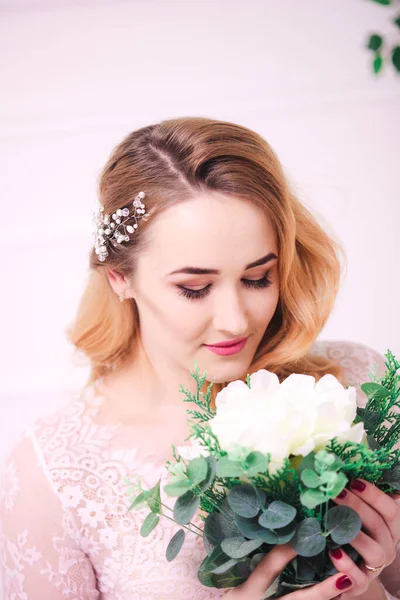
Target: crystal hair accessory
{"type": "Point", "coordinates": [116, 228]}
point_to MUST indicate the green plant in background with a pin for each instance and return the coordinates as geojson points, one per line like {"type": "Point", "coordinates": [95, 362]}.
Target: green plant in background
{"type": "Point", "coordinates": [380, 48]}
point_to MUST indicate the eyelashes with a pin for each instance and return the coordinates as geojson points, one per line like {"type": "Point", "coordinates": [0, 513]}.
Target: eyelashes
{"type": "Point", "coordinates": [257, 284]}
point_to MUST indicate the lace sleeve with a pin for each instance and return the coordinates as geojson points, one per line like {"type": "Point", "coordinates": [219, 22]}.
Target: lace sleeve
{"type": "Point", "coordinates": [358, 361]}
{"type": "Point", "coordinates": [39, 547]}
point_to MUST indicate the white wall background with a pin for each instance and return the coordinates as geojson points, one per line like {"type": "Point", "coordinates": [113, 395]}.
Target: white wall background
{"type": "Point", "coordinates": [77, 76]}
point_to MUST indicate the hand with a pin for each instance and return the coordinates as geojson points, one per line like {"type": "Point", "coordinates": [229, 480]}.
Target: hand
{"type": "Point", "coordinates": [271, 566]}
{"type": "Point", "coordinates": [380, 516]}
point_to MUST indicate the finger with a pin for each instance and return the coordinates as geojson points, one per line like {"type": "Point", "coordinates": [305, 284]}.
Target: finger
{"type": "Point", "coordinates": [327, 590]}
{"type": "Point", "coordinates": [372, 522]}
{"type": "Point", "coordinates": [266, 572]}
{"type": "Point", "coordinates": [382, 503]}
{"type": "Point", "coordinates": [395, 496]}
{"type": "Point", "coordinates": [344, 563]}
{"type": "Point", "coordinates": [372, 553]}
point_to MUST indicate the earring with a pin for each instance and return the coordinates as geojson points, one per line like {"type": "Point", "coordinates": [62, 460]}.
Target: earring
{"type": "Point", "coordinates": [121, 297]}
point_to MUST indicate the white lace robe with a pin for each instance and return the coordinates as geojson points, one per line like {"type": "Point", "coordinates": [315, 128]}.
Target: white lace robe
{"type": "Point", "coordinates": [65, 532]}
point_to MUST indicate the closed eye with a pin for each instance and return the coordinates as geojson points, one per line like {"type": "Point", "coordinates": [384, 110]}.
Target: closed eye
{"type": "Point", "coordinates": [258, 284]}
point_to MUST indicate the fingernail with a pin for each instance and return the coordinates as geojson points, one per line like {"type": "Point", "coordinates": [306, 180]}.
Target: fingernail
{"type": "Point", "coordinates": [342, 494]}
{"type": "Point", "coordinates": [357, 485]}
{"type": "Point", "coordinates": [336, 553]}
{"type": "Point", "coordinates": [343, 583]}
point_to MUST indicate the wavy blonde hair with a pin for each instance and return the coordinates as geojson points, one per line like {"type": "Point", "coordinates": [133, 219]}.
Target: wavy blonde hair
{"type": "Point", "coordinates": [171, 161]}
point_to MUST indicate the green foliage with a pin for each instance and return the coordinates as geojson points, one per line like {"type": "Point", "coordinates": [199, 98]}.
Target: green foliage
{"type": "Point", "coordinates": [150, 522]}
{"type": "Point", "coordinates": [185, 507]}
{"type": "Point", "coordinates": [381, 51]}
{"type": "Point", "coordinates": [320, 474]}
{"type": "Point", "coordinates": [175, 545]}
{"type": "Point", "coordinates": [308, 539]}
{"type": "Point", "coordinates": [343, 524]}
{"type": "Point", "coordinates": [248, 510]}
{"type": "Point", "coordinates": [375, 42]}
{"type": "Point", "coordinates": [396, 57]}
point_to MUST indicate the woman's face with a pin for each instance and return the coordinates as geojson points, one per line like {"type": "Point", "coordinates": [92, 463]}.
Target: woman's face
{"type": "Point", "coordinates": [209, 276]}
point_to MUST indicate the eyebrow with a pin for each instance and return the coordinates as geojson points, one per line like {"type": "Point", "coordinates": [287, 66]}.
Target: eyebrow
{"type": "Point", "coordinates": [199, 271]}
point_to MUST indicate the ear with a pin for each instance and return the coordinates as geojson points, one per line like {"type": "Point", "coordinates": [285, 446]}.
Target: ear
{"type": "Point", "coordinates": [119, 283]}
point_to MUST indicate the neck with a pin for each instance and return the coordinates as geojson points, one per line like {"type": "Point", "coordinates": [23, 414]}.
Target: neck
{"type": "Point", "coordinates": [138, 390]}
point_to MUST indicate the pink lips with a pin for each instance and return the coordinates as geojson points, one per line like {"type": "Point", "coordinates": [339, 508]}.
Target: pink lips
{"type": "Point", "coordinates": [228, 348]}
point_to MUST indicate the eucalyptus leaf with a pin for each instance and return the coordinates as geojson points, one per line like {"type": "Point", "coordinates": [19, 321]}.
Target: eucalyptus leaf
{"type": "Point", "coordinates": [239, 547]}
{"type": "Point", "coordinates": [208, 546]}
{"type": "Point", "coordinates": [248, 527]}
{"type": "Point", "coordinates": [305, 572]}
{"type": "Point", "coordinates": [211, 471]}
{"type": "Point", "coordinates": [175, 545]}
{"type": "Point", "coordinates": [326, 461]}
{"type": "Point", "coordinates": [206, 578]}
{"type": "Point", "coordinates": [338, 485]}
{"type": "Point", "coordinates": [197, 470]}
{"type": "Point", "coordinates": [256, 560]}
{"type": "Point", "coordinates": [278, 514]}
{"type": "Point", "coordinates": [229, 468]}
{"type": "Point", "coordinates": [370, 418]}
{"type": "Point", "coordinates": [375, 390]}
{"type": "Point", "coordinates": [307, 463]}
{"type": "Point", "coordinates": [392, 477]}
{"type": "Point", "coordinates": [312, 498]}
{"type": "Point", "coordinates": [256, 462]}
{"type": "Point", "coordinates": [216, 558]}
{"type": "Point", "coordinates": [234, 577]}
{"type": "Point", "coordinates": [178, 488]}
{"type": "Point", "coordinates": [277, 536]}
{"type": "Point", "coordinates": [185, 508]}
{"type": "Point", "coordinates": [308, 539]}
{"type": "Point", "coordinates": [343, 524]}
{"type": "Point", "coordinates": [150, 522]}
{"type": "Point", "coordinates": [227, 521]}
{"type": "Point", "coordinates": [310, 478]}
{"type": "Point", "coordinates": [244, 501]}
{"type": "Point", "coordinates": [225, 566]}
{"type": "Point", "coordinates": [372, 443]}
{"type": "Point", "coordinates": [154, 498]}
{"type": "Point", "coordinates": [212, 529]}
{"type": "Point", "coordinates": [139, 500]}
{"type": "Point", "coordinates": [297, 586]}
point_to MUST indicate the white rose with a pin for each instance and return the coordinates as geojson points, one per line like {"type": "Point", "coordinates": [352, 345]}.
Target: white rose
{"type": "Point", "coordinates": [291, 418]}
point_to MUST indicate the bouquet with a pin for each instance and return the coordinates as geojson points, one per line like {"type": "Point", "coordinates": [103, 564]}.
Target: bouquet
{"type": "Point", "coordinates": [261, 469]}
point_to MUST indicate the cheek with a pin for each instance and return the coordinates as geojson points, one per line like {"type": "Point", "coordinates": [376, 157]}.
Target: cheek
{"type": "Point", "coordinates": [174, 318]}
{"type": "Point", "coordinates": [263, 310]}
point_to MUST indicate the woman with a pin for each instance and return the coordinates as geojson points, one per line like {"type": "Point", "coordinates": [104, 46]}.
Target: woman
{"type": "Point", "coordinates": [201, 252]}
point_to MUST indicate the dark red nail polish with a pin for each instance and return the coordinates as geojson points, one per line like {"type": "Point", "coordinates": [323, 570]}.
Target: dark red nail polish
{"type": "Point", "coordinates": [336, 553]}
{"type": "Point", "coordinates": [342, 494]}
{"type": "Point", "coordinates": [343, 583]}
{"type": "Point", "coordinates": [357, 485]}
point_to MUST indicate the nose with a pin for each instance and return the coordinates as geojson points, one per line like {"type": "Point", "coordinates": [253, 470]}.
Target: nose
{"type": "Point", "coordinates": [230, 314]}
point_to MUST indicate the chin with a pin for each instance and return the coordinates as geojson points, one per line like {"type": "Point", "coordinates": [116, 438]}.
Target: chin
{"type": "Point", "coordinates": [224, 373]}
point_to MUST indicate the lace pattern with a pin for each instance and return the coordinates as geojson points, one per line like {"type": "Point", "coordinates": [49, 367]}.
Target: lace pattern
{"type": "Point", "coordinates": [65, 531]}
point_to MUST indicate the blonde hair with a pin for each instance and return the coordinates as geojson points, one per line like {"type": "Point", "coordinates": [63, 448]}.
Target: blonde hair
{"type": "Point", "coordinates": [171, 162]}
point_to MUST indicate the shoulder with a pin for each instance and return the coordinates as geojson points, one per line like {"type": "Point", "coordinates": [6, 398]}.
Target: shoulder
{"type": "Point", "coordinates": [358, 361]}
